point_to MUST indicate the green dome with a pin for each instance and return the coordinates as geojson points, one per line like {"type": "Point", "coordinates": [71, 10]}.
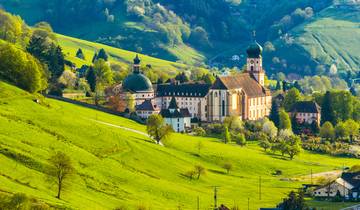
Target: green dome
{"type": "Point", "coordinates": [254, 50]}
{"type": "Point", "coordinates": [137, 82]}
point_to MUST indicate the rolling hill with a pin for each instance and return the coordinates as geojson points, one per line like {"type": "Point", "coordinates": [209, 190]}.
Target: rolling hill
{"type": "Point", "coordinates": [118, 56]}
{"type": "Point", "coordinates": [122, 167]}
{"type": "Point", "coordinates": [331, 37]}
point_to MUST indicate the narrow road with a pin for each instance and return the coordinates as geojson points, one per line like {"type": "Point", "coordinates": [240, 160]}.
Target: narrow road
{"type": "Point", "coordinates": [127, 129]}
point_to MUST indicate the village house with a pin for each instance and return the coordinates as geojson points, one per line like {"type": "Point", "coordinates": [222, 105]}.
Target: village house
{"type": "Point", "coordinates": [178, 118]}
{"type": "Point", "coordinates": [146, 109]}
{"type": "Point", "coordinates": [306, 112]}
{"type": "Point", "coordinates": [347, 186]}
{"type": "Point", "coordinates": [243, 94]}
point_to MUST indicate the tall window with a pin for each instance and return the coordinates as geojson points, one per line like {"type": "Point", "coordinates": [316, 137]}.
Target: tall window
{"type": "Point", "coordinates": [223, 108]}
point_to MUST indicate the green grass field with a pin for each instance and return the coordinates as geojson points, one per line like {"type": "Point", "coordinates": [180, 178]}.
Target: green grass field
{"type": "Point", "coordinates": [124, 58]}
{"type": "Point", "coordinates": [117, 167]}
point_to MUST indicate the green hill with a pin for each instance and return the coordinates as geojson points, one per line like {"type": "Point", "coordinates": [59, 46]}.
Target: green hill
{"type": "Point", "coordinates": [116, 166]}
{"type": "Point", "coordinates": [332, 37]}
{"type": "Point", "coordinates": [122, 57]}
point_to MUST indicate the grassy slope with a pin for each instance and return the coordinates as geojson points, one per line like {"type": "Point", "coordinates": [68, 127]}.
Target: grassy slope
{"type": "Point", "coordinates": [333, 36]}
{"type": "Point", "coordinates": [70, 46]}
{"type": "Point", "coordinates": [32, 12]}
{"type": "Point", "coordinates": [117, 167]}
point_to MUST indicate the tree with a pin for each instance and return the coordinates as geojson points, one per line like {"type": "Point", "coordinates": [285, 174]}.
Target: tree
{"type": "Point", "coordinates": [228, 167]}
{"type": "Point", "coordinates": [103, 76]}
{"type": "Point", "coordinates": [199, 146]}
{"type": "Point", "coordinates": [291, 98]}
{"type": "Point", "coordinates": [102, 55]}
{"type": "Point", "coordinates": [352, 129]}
{"type": "Point", "coordinates": [91, 78]}
{"type": "Point", "coordinates": [157, 129]}
{"type": "Point", "coordinates": [294, 202]}
{"type": "Point", "coordinates": [270, 129]}
{"type": "Point", "coordinates": [199, 170]}
{"type": "Point", "coordinates": [61, 170]}
{"type": "Point", "coordinates": [327, 110]}
{"type": "Point", "coordinates": [68, 79]}
{"type": "Point", "coordinates": [294, 146]}
{"type": "Point", "coordinates": [274, 113]}
{"type": "Point", "coordinates": [94, 57]}
{"type": "Point", "coordinates": [80, 54]}
{"type": "Point", "coordinates": [208, 78]}
{"type": "Point", "coordinates": [240, 139]}
{"type": "Point", "coordinates": [226, 135]}
{"type": "Point", "coordinates": [341, 131]}
{"type": "Point", "coordinates": [47, 51]}
{"type": "Point", "coordinates": [21, 68]}
{"type": "Point", "coordinates": [182, 78]}
{"type": "Point", "coordinates": [199, 131]}
{"type": "Point", "coordinates": [278, 85]}
{"type": "Point", "coordinates": [285, 122]}
{"type": "Point", "coordinates": [264, 143]}
{"type": "Point", "coordinates": [327, 131]}
{"type": "Point", "coordinates": [233, 122]}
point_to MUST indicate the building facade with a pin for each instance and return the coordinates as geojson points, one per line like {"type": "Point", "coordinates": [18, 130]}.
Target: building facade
{"type": "Point", "coordinates": [190, 95]}
{"type": "Point", "coordinates": [306, 112]}
{"type": "Point", "coordinates": [243, 94]}
{"type": "Point", "coordinates": [178, 118]}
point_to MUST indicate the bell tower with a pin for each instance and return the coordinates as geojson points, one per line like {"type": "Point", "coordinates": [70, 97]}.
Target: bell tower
{"type": "Point", "coordinates": [136, 65]}
{"type": "Point", "coordinates": [254, 62]}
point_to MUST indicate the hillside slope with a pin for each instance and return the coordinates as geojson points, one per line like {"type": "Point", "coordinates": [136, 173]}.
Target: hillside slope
{"type": "Point", "coordinates": [117, 167]}
{"type": "Point", "coordinates": [122, 57]}
{"type": "Point", "coordinates": [332, 37]}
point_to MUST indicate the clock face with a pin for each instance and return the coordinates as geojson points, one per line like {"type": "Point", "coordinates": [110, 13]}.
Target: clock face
{"type": "Point", "coordinates": [252, 62]}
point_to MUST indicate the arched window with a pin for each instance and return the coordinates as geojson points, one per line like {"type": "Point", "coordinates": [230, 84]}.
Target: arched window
{"type": "Point", "coordinates": [252, 68]}
{"type": "Point", "coordinates": [223, 108]}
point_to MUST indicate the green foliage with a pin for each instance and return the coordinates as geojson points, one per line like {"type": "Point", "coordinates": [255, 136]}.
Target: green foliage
{"type": "Point", "coordinates": [44, 47]}
{"type": "Point", "coordinates": [228, 167]}
{"type": "Point", "coordinates": [294, 201]}
{"type": "Point", "coordinates": [156, 128]}
{"type": "Point", "coordinates": [61, 170]}
{"type": "Point", "coordinates": [327, 131]}
{"type": "Point", "coordinates": [199, 170]}
{"type": "Point", "coordinates": [21, 69]}
{"type": "Point", "coordinates": [13, 29]}
{"type": "Point", "coordinates": [102, 55]}
{"type": "Point", "coordinates": [199, 131]}
{"type": "Point", "coordinates": [240, 139]}
{"type": "Point", "coordinates": [285, 122]}
{"type": "Point", "coordinates": [352, 129]}
{"type": "Point", "coordinates": [274, 113]}
{"type": "Point", "coordinates": [226, 135]}
{"type": "Point", "coordinates": [91, 78]}
{"type": "Point", "coordinates": [80, 54]}
{"type": "Point", "coordinates": [292, 96]}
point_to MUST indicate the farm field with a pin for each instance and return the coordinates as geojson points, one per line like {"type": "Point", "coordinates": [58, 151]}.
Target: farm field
{"type": "Point", "coordinates": [117, 167]}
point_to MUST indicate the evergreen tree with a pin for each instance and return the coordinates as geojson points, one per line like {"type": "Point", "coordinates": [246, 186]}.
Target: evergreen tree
{"type": "Point", "coordinates": [327, 111]}
{"type": "Point", "coordinates": [274, 113]}
{"type": "Point", "coordinates": [353, 91]}
{"type": "Point", "coordinates": [102, 55]}
{"type": "Point", "coordinates": [278, 85]}
{"type": "Point", "coordinates": [226, 135]}
{"type": "Point", "coordinates": [94, 57]}
{"type": "Point", "coordinates": [182, 78]}
{"type": "Point", "coordinates": [294, 202]}
{"type": "Point", "coordinates": [91, 78]}
{"type": "Point", "coordinates": [285, 122]}
{"type": "Point", "coordinates": [80, 54]}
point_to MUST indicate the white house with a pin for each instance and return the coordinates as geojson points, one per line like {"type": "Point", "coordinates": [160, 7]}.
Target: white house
{"type": "Point", "coordinates": [179, 119]}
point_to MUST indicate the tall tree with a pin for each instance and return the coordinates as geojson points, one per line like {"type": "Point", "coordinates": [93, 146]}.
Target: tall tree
{"type": "Point", "coordinates": [104, 77]}
{"type": "Point", "coordinates": [352, 129]}
{"type": "Point", "coordinates": [61, 170]}
{"type": "Point", "coordinates": [226, 135]}
{"type": "Point", "coordinates": [91, 78]}
{"type": "Point", "coordinates": [285, 122]}
{"type": "Point", "coordinates": [80, 54]}
{"type": "Point", "coordinates": [274, 113]}
{"type": "Point", "coordinates": [291, 98]}
{"type": "Point", "coordinates": [102, 55]}
{"type": "Point", "coordinates": [327, 111]}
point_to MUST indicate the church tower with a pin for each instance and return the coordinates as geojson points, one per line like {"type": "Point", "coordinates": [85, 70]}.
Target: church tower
{"type": "Point", "coordinates": [136, 65]}
{"type": "Point", "coordinates": [254, 62]}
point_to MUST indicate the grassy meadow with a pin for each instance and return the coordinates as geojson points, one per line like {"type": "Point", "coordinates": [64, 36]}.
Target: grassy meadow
{"type": "Point", "coordinates": [116, 167]}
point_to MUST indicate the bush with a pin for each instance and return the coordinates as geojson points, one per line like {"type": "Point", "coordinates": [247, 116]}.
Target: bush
{"type": "Point", "coordinates": [199, 131]}
{"type": "Point", "coordinates": [240, 139]}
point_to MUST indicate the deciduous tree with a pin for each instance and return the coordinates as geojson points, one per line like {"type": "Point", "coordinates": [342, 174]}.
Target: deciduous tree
{"type": "Point", "coordinates": [157, 129]}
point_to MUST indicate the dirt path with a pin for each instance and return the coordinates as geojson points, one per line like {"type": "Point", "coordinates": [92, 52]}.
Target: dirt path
{"type": "Point", "coordinates": [125, 128]}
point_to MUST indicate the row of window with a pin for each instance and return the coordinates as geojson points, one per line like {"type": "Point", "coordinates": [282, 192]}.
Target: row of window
{"type": "Point", "coordinates": [257, 101]}
{"type": "Point", "coordinates": [181, 94]}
